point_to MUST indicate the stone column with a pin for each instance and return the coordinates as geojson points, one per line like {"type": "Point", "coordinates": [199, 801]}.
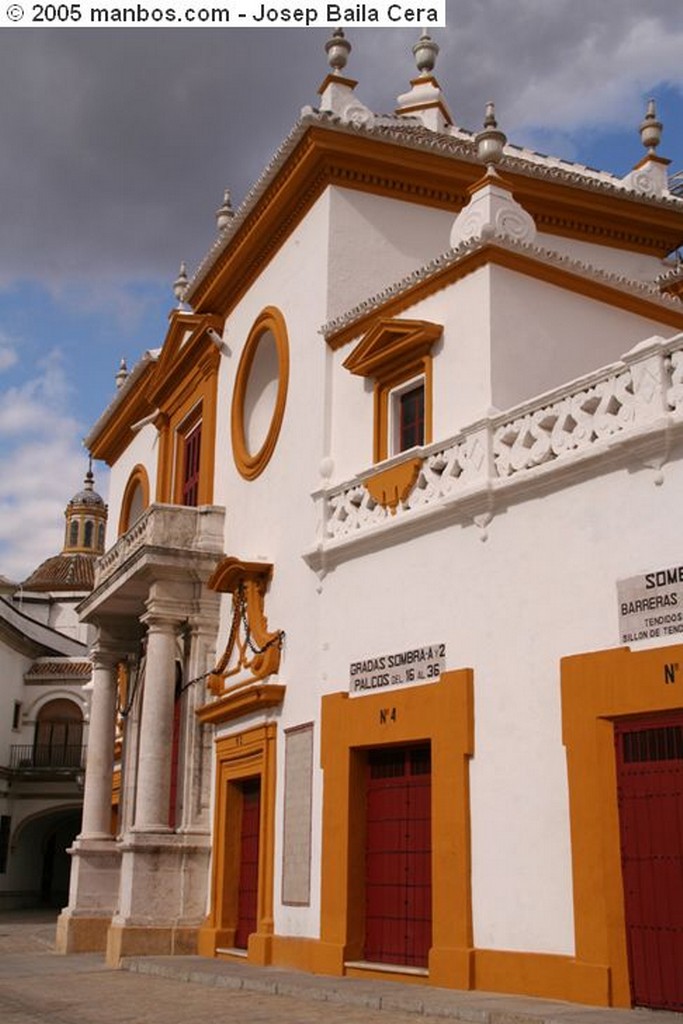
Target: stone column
{"type": "Point", "coordinates": [156, 724]}
{"type": "Point", "coordinates": [196, 775]}
{"type": "Point", "coordinates": [95, 867]}
{"type": "Point", "coordinates": [100, 759]}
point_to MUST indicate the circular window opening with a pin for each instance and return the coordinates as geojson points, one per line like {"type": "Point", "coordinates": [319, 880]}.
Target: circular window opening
{"type": "Point", "coordinates": [260, 393]}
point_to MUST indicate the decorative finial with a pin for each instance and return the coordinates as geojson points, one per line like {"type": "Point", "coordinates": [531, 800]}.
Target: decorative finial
{"type": "Point", "coordinates": [337, 49]}
{"type": "Point", "coordinates": [180, 283]}
{"type": "Point", "coordinates": [89, 480]}
{"type": "Point", "coordinates": [651, 128]}
{"type": "Point", "coordinates": [121, 374]}
{"type": "Point", "coordinates": [425, 52]}
{"type": "Point", "coordinates": [491, 141]}
{"type": "Point", "coordinates": [225, 212]}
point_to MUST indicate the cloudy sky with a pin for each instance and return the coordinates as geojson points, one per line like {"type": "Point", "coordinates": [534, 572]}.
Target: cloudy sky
{"type": "Point", "coordinates": [116, 145]}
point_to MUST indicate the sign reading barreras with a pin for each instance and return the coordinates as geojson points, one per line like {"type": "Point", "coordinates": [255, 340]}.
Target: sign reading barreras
{"type": "Point", "coordinates": [651, 606]}
{"type": "Point", "coordinates": [419, 665]}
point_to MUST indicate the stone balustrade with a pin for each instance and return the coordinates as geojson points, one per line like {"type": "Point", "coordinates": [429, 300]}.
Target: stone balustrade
{"type": "Point", "coordinates": [637, 400]}
{"type": "Point", "coordinates": [165, 527]}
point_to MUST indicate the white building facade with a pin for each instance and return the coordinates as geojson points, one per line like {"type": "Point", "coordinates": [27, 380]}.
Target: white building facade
{"type": "Point", "coordinates": [45, 674]}
{"type": "Point", "coordinates": [389, 622]}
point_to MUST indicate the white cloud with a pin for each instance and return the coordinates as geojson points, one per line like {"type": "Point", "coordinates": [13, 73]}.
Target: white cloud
{"type": "Point", "coordinates": [8, 356]}
{"type": "Point", "coordinates": [42, 463]}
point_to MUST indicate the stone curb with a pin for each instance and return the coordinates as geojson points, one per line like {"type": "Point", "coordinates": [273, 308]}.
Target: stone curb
{"type": "Point", "coordinates": [472, 1007]}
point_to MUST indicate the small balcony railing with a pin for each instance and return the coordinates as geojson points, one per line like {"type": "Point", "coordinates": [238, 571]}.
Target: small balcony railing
{"type": "Point", "coordinates": [41, 757]}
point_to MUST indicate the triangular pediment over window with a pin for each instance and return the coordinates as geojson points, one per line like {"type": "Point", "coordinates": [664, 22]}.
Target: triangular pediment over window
{"type": "Point", "coordinates": [390, 344]}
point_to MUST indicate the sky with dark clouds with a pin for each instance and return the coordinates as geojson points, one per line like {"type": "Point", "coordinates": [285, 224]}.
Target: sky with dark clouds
{"type": "Point", "coordinates": [116, 145]}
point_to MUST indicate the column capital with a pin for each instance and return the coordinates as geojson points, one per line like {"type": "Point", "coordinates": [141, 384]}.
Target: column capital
{"type": "Point", "coordinates": [105, 653]}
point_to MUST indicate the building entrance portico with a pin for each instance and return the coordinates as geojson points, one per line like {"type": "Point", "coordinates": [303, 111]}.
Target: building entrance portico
{"type": "Point", "coordinates": [156, 623]}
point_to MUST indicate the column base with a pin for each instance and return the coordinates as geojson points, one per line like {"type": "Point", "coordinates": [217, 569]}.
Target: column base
{"type": "Point", "coordinates": [138, 940]}
{"type": "Point", "coordinates": [93, 896]}
{"type": "Point", "coordinates": [81, 934]}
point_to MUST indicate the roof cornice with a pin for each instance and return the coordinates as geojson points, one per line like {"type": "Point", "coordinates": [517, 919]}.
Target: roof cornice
{"type": "Point", "coordinates": [405, 160]}
{"type": "Point", "coordinates": [637, 297]}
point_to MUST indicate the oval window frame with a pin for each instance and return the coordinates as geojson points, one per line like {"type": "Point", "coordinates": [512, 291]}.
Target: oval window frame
{"type": "Point", "coordinates": [251, 465]}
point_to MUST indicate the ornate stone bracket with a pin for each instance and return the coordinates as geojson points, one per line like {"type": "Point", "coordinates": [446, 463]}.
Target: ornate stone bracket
{"type": "Point", "coordinates": [252, 652]}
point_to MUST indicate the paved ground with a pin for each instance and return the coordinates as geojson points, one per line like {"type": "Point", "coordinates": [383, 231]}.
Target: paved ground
{"type": "Point", "coordinates": [38, 986]}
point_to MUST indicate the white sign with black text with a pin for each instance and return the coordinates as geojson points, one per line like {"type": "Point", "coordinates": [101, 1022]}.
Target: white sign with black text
{"type": "Point", "coordinates": [404, 668]}
{"type": "Point", "coordinates": [651, 606]}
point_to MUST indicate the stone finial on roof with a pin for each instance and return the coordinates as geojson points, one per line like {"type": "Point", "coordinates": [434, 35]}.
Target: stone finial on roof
{"type": "Point", "coordinates": [491, 141]}
{"type": "Point", "coordinates": [225, 212]}
{"type": "Point", "coordinates": [651, 128]}
{"type": "Point", "coordinates": [425, 99]}
{"type": "Point", "coordinates": [337, 49]}
{"type": "Point", "coordinates": [180, 284]}
{"type": "Point", "coordinates": [425, 52]}
{"type": "Point", "coordinates": [336, 92]}
{"type": "Point", "coordinates": [492, 210]}
{"type": "Point", "coordinates": [649, 176]}
{"type": "Point", "coordinates": [121, 374]}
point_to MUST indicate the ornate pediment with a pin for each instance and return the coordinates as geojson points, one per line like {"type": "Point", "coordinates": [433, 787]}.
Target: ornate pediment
{"type": "Point", "coordinates": [390, 344]}
{"type": "Point", "coordinates": [190, 349]}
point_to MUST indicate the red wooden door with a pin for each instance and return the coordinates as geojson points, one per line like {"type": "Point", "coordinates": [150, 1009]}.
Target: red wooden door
{"type": "Point", "coordinates": [398, 879]}
{"type": "Point", "coordinates": [191, 452]}
{"type": "Point", "coordinates": [650, 793]}
{"type": "Point", "coordinates": [247, 897]}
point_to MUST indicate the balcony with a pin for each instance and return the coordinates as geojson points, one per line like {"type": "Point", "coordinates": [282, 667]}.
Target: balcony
{"type": "Point", "coordinates": [172, 542]}
{"type": "Point", "coordinates": [630, 409]}
{"type": "Point", "coordinates": [44, 757]}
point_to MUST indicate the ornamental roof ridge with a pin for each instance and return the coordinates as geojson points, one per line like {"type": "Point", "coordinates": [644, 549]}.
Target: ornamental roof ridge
{"type": "Point", "coordinates": [452, 257]}
{"type": "Point", "coordinates": [411, 133]}
{"type": "Point", "coordinates": [149, 356]}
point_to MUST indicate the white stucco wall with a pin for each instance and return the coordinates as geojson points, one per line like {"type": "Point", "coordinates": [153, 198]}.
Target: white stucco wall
{"type": "Point", "coordinates": [543, 335]}
{"type": "Point", "coordinates": [375, 241]}
{"type": "Point", "coordinates": [143, 450]}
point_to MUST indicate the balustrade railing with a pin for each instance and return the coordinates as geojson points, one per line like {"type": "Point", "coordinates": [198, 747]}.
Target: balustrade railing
{"type": "Point", "coordinates": [24, 757]}
{"type": "Point", "coordinates": [635, 397]}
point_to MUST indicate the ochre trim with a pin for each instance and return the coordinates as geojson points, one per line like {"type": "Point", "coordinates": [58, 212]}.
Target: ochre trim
{"type": "Point", "coordinates": [246, 755]}
{"type": "Point", "coordinates": [596, 689]}
{"type": "Point", "coordinates": [443, 713]}
{"type": "Point", "coordinates": [522, 263]}
{"type": "Point", "coordinates": [252, 464]}
{"type": "Point", "coordinates": [541, 975]}
{"type": "Point", "coordinates": [241, 700]}
{"type": "Point", "coordinates": [333, 79]}
{"type": "Point", "coordinates": [325, 157]}
{"type": "Point", "coordinates": [248, 583]}
{"type": "Point", "coordinates": [116, 432]}
{"type": "Point", "coordinates": [651, 158]}
{"type": "Point", "coordinates": [390, 486]}
{"type": "Point", "coordinates": [137, 478]}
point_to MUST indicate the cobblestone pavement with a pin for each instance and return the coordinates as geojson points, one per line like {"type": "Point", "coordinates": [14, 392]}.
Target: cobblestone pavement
{"type": "Point", "coordinates": [38, 986]}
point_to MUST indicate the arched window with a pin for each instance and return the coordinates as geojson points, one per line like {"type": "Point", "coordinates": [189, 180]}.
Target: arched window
{"type": "Point", "coordinates": [100, 537]}
{"type": "Point", "coordinates": [88, 533]}
{"type": "Point", "coordinates": [73, 533]}
{"type": "Point", "coordinates": [58, 736]}
{"type": "Point", "coordinates": [135, 498]}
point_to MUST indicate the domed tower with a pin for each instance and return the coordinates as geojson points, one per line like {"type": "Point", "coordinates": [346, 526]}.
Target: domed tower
{"type": "Point", "coordinates": [74, 568]}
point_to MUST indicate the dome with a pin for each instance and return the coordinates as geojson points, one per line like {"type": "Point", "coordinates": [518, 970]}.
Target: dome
{"type": "Point", "coordinates": [74, 568]}
{"type": "Point", "coordinates": [88, 495]}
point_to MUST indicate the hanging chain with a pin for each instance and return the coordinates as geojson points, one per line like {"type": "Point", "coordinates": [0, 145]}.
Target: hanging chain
{"type": "Point", "coordinates": [239, 615]}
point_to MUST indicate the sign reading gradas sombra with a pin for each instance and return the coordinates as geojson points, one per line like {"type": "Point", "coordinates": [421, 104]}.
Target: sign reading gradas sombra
{"type": "Point", "coordinates": [417, 665]}
{"type": "Point", "coordinates": [651, 606]}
